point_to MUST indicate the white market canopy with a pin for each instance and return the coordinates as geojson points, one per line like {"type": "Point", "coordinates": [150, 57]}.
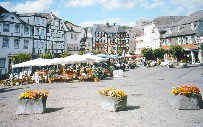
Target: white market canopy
{"type": "Point", "coordinates": [67, 60]}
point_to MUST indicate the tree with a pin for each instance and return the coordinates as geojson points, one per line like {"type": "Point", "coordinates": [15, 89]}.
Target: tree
{"type": "Point", "coordinates": [82, 52]}
{"type": "Point", "coordinates": [201, 47]}
{"type": "Point", "coordinates": [158, 53]}
{"type": "Point", "coordinates": [64, 54]}
{"type": "Point", "coordinates": [148, 53]}
{"type": "Point", "coordinates": [120, 52]}
{"type": "Point", "coordinates": [47, 55]}
{"type": "Point", "coordinates": [177, 51]}
{"type": "Point", "coordinates": [21, 57]}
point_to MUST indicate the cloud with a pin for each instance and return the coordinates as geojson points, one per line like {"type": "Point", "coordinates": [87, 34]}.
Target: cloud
{"type": "Point", "coordinates": [118, 21]}
{"type": "Point", "coordinates": [107, 4]}
{"type": "Point", "coordinates": [27, 6]}
{"type": "Point", "coordinates": [154, 4]}
{"type": "Point", "coordinates": [189, 6]}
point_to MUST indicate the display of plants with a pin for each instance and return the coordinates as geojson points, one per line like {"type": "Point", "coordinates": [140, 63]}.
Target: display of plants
{"type": "Point", "coordinates": [39, 94]}
{"type": "Point", "coordinates": [189, 91]}
{"type": "Point", "coordinates": [112, 92]}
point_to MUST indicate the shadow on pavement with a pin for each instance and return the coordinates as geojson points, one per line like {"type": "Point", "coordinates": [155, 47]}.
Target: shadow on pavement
{"type": "Point", "coordinates": [131, 108]}
{"type": "Point", "coordinates": [49, 110]}
{"type": "Point", "coordinates": [3, 90]}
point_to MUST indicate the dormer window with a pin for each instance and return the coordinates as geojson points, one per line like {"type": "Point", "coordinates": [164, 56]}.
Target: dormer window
{"type": "Point", "coordinates": [180, 28]}
{"type": "Point", "coordinates": [193, 26]}
{"type": "Point", "coordinates": [170, 31]}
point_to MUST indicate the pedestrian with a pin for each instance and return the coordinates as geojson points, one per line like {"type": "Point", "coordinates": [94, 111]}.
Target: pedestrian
{"type": "Point", "coordinates": [37, 76]}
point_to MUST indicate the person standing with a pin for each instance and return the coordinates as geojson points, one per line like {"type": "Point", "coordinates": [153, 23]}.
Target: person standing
{"type": "Point", "coordinates": [37, 76]}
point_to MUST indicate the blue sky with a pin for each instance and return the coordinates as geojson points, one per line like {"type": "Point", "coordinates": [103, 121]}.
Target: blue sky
{"type": "Point", "coordinates": [89, 12]}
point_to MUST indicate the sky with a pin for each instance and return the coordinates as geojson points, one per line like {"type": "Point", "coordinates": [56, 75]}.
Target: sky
{"type": "Point", "coordinates": [86, 13]}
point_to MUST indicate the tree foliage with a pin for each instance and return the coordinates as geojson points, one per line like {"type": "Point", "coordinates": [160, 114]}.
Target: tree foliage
{"type": "Point", "coordinates": [21, 57]}
{"type": "Point", "coordinates": [148, 53]}
{"type": "Point", "coordinates": [47, 55]}
{"type": "Point", "coordinates": [65, 54]}
{"type": "Point", "coordinates": [177, 51]}
{"type": "Point", "coordinates": [82, 52]}
{"type": "Point", "coordinates": [158, 53]}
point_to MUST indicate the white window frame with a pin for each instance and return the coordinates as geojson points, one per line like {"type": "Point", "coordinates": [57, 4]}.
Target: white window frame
{"type": "Point", "coordinates": [5, 43]}
{"type": "Point", "coordinates": [6, 27]}
{"type": "Point", "coordinates": [16, 43]}
{"type": "Point", "coordinates": [26, 29]}
{"type": "Point", "coordinates": [17, 28]}
{"type": "Point", "coordinates": [26, 44]}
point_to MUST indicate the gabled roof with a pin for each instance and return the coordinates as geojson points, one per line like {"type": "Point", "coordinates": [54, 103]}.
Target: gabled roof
{"type": "Point", "coordinates": [185, 24]}
{"type": "Point", "coordinates": [3, 10]}
{"type": "Point", "coordinates": [166, 20]}
{"type": "Point", "coordinates": [107, 28]}
{"type": "Point", "coordinates": [50, 16]}
{"type": "Point", "coordinates": [193, 17]}
{"type": "Point", "coordinates": [200, 28]}
{"type": "Point", "coordinates": [4, 15]}
{"type": "Point", "coordinates": [32, 14]}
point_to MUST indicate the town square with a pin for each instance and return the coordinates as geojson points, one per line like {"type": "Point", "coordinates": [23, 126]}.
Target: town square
{"type": "Point", "coordinates": [78, 103]}
{"type": "Point", "coordinates": [101, 63]}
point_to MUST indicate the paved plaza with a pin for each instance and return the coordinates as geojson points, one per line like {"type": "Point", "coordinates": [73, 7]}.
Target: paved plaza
{"type": "Point", "coordinates": [77, 104]}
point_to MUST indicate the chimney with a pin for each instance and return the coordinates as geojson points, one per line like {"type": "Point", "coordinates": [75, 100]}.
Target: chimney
{"type": "Point", "coordinates": [107, 24]}
{"type": "Point", "coordinates": [114, 24]}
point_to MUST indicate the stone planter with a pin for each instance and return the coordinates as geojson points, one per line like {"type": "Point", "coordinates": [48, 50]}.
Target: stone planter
{"type": "Point", "coordinates": [113, 104]}
{"type": "Point", "coordinates": [30, 106]}
{"type": "Point", "coordinates": [182, 102]}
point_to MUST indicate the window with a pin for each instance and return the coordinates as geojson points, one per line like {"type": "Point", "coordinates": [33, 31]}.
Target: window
{"type": "Point", "coordinates": [2, 62]}
{"type": "Point", "coordinates": [42, 45]}
{"type": "Point", "coordinates": [12, 18]}
{"type": "Point", "coordinates": [26, 43]}
{"type": "Point", "coordinates": [42, 32]}
{"type": "Point", "coordinates": [6, 27]}
{"type": "Point", "coordinates": [37, 30]}
{"type": "Point", "coordinates": [75, 36]}
{"type": "Point", "coordinates": [26, 29]}
{"type": "Point", "coordinates": [88, 43]}
{"type": "Point", "coordinates": [16, 43]}
{"type": "Point", "coordinates": [17, 28]}
{"type": "Point", "coordinates": [5, 43]}
{"type": "Point", "coordinates": [71, 35]}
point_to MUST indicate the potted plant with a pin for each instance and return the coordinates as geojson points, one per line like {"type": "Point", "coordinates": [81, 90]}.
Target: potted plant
{"type": "Point", "coordinates": [186, 97]}
{"type": "Point", "coordinates": [112, 99]}
{"type": "Point", "coordinates": [32, 102]}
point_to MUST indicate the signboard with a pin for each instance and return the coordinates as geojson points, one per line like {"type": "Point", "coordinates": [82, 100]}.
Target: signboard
{"type": "Point", "coordinates": [118, 73]}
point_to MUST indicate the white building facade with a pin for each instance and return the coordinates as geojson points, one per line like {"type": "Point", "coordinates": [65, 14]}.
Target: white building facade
{"type": "Point", "coordinates": [15, 37]}
{"type": "Point", "coordinates": [39, 23]}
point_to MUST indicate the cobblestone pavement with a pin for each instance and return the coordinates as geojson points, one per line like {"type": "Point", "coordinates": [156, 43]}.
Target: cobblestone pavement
{"type": "Point", "coordinates": [77, 104]}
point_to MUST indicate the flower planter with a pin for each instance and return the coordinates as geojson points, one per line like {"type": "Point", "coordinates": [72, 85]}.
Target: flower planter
{"type": "Point", "coordinates": [113, 104]}
{"type": "Point", "coordinates": [30, 106]}
{"type": "Point", "coordinates": [182, 102]}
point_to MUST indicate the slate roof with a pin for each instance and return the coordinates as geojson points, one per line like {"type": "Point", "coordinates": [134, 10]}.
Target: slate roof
{"type": "Point", "coordinates": [185, 25]}
{"type": "Point", "coordinates": [3, 10]}
{"type": "Point", "coordinates": [163, 21]}
{"type": "Point", "coordinates": [107, 28]}
{"type": "Point", "coordinates": [4, 15]}
{"type": "Point", "coordinates": [32, 14]}
{"type": "Point", "coordinates": [200, 28]}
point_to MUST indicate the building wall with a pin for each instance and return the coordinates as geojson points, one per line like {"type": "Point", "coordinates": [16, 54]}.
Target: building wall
{"type": "Point", "coordinates": [72, 42]}
{"type": "Point", "coordinates": [151, 36]}
{"type": "Point", "coordinates": [55, 36]}
{"type": "Point", "coordinates": [39, 31]}
{"type": "Point", "coordinates": [18, 40]}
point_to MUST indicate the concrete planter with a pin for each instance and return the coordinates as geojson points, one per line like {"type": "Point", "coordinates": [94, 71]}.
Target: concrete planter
{"type": "Point", "coordinates": [30, 106]}
{"type": "Point", "coordinates": [182, 102]}
{"type": "Point", "coordinates": [113, 104]}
